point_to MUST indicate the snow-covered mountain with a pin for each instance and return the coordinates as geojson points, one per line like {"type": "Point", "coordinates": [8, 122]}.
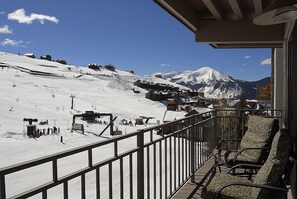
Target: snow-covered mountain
{"type": "Point", "coordinates": [204, 75]}
{"type": "Point", "coordinates": [213, 83]}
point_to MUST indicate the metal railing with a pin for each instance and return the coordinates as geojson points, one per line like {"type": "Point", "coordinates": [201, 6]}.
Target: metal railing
{"type": "Point", "coordinates": [150, 163]}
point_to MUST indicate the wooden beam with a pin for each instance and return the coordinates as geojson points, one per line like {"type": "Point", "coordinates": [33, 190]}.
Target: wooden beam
{"type": "Point", "coordinates": [238, 31]}
{"type": "Point", "coordinates": [246, 45]}
{"type": "Point", "coordinates": [214, 8]}
{"type": "Point", "coordinates": [237, 9]}
{"type": "Point", "coordinates": [258, 6]}
{"type": "Point", "coordinates": [182, 11]}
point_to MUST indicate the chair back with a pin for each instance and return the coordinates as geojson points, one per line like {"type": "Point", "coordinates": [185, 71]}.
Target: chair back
{"type": "Point", "coordinates": [259, 134]}
{"type": "Point", "coordinates": [274, 168]}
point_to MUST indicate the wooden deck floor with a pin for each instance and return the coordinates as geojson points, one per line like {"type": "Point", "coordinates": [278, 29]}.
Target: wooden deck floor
{"type": "Point", "coordinates": [193, 190]}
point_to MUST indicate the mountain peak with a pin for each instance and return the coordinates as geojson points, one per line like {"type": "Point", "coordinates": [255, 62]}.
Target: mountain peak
{"type": "Point", "coordinates": [203, 75]}
{"type": "Point", "coordinates": [205, 68]}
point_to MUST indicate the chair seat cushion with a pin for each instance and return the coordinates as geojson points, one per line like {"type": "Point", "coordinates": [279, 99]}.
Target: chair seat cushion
{"type": "Point", "coordinates": [216, 181]}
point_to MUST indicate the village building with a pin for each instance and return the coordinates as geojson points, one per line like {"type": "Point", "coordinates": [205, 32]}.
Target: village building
{"type": "Point", "coordinates": [139, 121]}
{"type": "Point", "coordinates": [191, 112]}
{"type": "Point", "coordinates": [46, 57]}
{"type": "Point", "coordinates": [30, 55]}
{"type": "Point", "coordinates": [61, 61]}
{"type": "Point", "coordinates": [174, 104]}
{"type": "Point", "coordinates": [156, 96]}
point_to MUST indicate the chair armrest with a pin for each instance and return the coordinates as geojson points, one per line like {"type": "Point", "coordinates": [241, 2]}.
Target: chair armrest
{"type": "Point", "coordinates": [250, 185]}
{"type": "Point", "coordinates": [246, 149]}
{"type": "Point", "coordinates": [250, 166]}
{"type": "Point", "coordinates": [218, 148]}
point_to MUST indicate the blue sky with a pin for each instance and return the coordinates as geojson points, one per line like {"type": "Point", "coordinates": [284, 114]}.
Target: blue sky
{"type": "Point", "coordinates": [132, 35]}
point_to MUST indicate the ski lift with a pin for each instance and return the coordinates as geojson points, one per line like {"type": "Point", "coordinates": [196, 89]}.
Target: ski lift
{"type": "Point", "coordinates": [31, 128]}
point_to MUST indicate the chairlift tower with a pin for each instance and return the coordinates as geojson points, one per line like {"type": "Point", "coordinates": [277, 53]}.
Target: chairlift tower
{"type": "Point", "coordinates": [72, 96]}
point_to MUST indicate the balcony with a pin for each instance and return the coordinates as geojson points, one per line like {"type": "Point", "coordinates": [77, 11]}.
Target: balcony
{"type": "Point", "coordinates": [165, 161]}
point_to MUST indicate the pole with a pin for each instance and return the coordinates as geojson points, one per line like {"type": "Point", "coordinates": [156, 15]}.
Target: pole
{"type": "Point", "coordinates": [2, 186]}
{"type": "Point", "coordinates": [192, 147]}
{"type": "Point", "coordinates": [72, 96]}
{"type": "Point", "coordinates": [111, 122]}
{"type": "Point", "coordinates": [111, 125]}
{"type": "Point", "coordinates": [140, 165]}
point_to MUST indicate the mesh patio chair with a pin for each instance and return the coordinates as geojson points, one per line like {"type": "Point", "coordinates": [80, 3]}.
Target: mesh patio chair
{"type": "Point", "coordinates": [254, 146]}
{"type": "Point", "coordinates": [269, 182]}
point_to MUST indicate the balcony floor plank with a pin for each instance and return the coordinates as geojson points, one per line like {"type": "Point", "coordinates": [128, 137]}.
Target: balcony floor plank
{"type": "Point", "coordinates": [193, 190]}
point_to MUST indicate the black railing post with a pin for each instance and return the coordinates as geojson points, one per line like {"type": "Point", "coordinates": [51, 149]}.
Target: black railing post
{"type": "Point", "coordinates": [215, 128]}
{"type": "Point", "coordinates": [2, 187]}
{"type": "Point", "coordinates": [55, 170]}
{"type": "Point", "coordinates": [192, 148]}
{"type": "Point", "coordinates": [111, 125]}
{"type": "Point", "coordinates": [140, 165]}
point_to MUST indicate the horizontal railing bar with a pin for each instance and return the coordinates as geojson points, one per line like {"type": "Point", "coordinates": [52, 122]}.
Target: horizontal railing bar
{"type": "Point", "coordinates": [52, 184]}
{"type": "Point", "coordinates": [49, 158]}
{"type": "Point", "coordinates": [115, 158]}
{"type": "Point", "coordinates": [38, 161]}
{"type": "Point", "coordinates": [176, 132]}
{"type": "Point", "coordinates": [33, 191]}
{"type": "Point", "coordinates": [250, 110]}
{"type": "Point", "coordinates": [70, 176]}
{"type": "Point", "coordinates": [73, 175]}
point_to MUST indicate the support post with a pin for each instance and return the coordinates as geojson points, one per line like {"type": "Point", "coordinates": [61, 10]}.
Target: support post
{"type": "Point", "coordinates": [192, 147]}
{"type": "Point", "coordinates": [140, 165]}
{"type": "Point", "coordinates": [55, 170]}
{"type": "Point", "coordinates": [2, 187]}
{"type": "Point", "coordinates": [111, 125]}
{"type": "Point", "coordinates": [215, 128]}
{"type": "Point", "coordinates": [72, 96]}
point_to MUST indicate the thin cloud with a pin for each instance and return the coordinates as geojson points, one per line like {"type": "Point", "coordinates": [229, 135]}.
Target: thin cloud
{"type": "Point", "coordinates": [13, 43]}
{"type": "Point", "coordinates": [20, 16]}
{"type": "Point", "coordinates": [2, 13]}
{"type": "Point", "coordinates": [5, 30]}
{"type": "Point", "coordinates": [266, 62]}
{"type": "Point", "coordinates": [247, 57]}
{"type": "Point", "coordinates": [165, 65]}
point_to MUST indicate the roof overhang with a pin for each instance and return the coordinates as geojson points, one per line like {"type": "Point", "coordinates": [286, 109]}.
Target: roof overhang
{"type": "Point", "coordinates": [226, 23]}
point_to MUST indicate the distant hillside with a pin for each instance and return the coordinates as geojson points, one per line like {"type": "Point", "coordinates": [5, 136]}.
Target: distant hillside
{"type": "Point", "coordinates": [249, 88]}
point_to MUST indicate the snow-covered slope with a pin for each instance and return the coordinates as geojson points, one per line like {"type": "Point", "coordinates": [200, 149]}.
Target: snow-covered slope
{"type": "Point", "coordinates": [34, 88]}
{"type": "Point", "coordinates": [213, 83]}
{"type": "Point", "coordinates": [219, 90]}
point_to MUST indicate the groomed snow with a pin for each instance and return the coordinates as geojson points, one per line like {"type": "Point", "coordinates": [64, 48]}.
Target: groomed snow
{"type": "Point", "coordinates": [34, 88]}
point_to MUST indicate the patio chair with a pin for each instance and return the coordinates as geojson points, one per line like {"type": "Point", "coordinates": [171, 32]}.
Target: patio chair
{"type": "Point", "coordinates": [269, 182]}
{"type": "Point", "coordinates": [254, 146]}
